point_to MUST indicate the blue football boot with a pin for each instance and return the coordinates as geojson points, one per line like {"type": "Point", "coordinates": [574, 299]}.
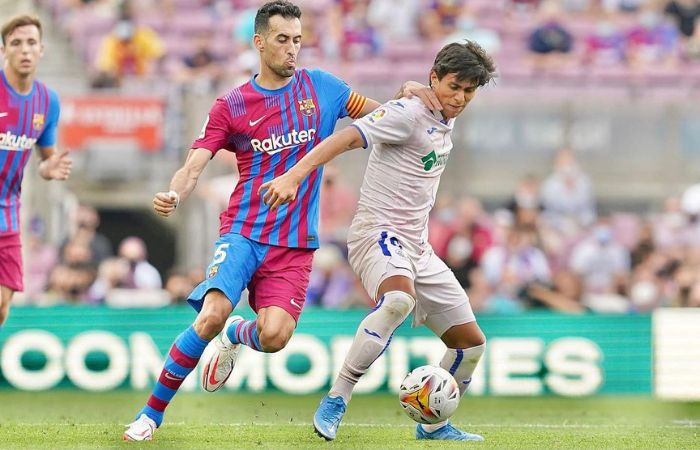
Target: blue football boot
{"type": "Point", "coordinates": [328, 416]}
{"type": "Point", "coordinates": [447, 433]}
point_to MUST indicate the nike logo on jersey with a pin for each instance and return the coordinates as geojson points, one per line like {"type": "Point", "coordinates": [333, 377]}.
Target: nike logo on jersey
{"type": "Point", "coordinates": [4, 114]}
{"type": "Point", "coordinates": [432, 130]}
{"type": "Point", "coordinates": [373, 333]}
{"type": "Point", "coordinates": [252, 123]}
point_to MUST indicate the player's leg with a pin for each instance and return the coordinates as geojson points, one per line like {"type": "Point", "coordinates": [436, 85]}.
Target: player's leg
{"type": "Point", "coordinates": [388, 274]}
{"type": "Point", "coordinates": [181, 360]}
{"type": "Point", "coordinates": [396, 299]}
{"type": "Point", "coordinates": [373, 336]}
{"type": "Point", "coordinates": [445, 309]}
{"type": "Point", "coordinates": [214, 299]}
{"type": "Point", "coordinates": [10, 273]}
{"type": "Point", "coordinates": [277, 291]}
{"type": "Point", "coordinates": [5, 298]}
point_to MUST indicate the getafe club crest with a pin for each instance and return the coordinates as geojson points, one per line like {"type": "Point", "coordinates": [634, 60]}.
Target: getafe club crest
{"type": "Point", "coordinates": [38, 121]}
{"type": "Point", "coordinates": [307, 107]}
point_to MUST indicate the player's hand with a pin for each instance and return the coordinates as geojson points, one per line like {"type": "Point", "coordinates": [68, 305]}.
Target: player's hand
{"type": "Point", "coordinates": [164, 203]}
{"type": "Point", "coordinates": [57, 166]}
{"type": "Point", "coordinates": [280, 191]}
{"type": "Point", "coordinates": [425, 93]}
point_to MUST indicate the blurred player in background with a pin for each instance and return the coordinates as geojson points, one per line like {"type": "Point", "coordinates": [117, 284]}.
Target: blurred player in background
{"type": "Point", "coordinates": [270, 122]}
{"type": "Point", "coordinates": [28, 116]}
{"type": "Point", "coordinates": [388, 239]}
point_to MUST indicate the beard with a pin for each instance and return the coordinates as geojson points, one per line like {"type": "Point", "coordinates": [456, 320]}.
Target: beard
{"type": "Point", "coordinates": [283, 71]}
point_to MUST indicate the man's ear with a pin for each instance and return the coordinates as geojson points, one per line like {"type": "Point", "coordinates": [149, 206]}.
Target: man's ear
{"type": "Point", "coordinates": [258, 42]}
{"type": "Point", "coordinates": [433, 78]}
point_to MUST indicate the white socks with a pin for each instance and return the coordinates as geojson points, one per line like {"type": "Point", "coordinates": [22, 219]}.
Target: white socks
{"type": "Point", "coordinates": [372, 338]}
{"type": "Point", "coordinates": [461, 364]}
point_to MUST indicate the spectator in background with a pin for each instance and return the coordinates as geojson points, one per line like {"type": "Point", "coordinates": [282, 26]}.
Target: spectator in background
{"type": "Point", "coordinates": [179, 284]}
{"type": "Point", "coordinates": [652, 41]}
{"type": "Point", "coordinates": [550, 42]}
{"type": "Point", "coordinates": [202, 70]}
{"type": "Point", "coordinates": [440, 18]}
{"type": "Point", "coordinates": [690, 50]}
{"type": "Point", "coordinates": [41, 259]}
{"type": "Point", "coordinates": [338, 204]}
{"type": "Point", "coordinates": [605, 45]}
{"type": "Point", "coordinates": [468, 28]}
{"type": "Point", "coordinates": [141, 275]}
{"type": "Point", "coordinates": [563, 295]}
{"type": "Point", "coordinates": [84, 229]}
{"type": "Point", "coordinates": [129, 50]}
{"type": "Point", "coordinates": [684, 14]}
{"type": "Point", "coordinates": [331, 282]}
{"type": "Point", "coordinates": [358, 39]}
{"type": "Point", "coordinates": [470, 239]}
{"type": "Point", "coordinates": [604, 267]}
{"type": "Point", "coordinates": [70, 281]}
{"type": "Point", "coordinates": [525, 203]}
{"type": "Point", "coordinates": [567, 195]}
{"type": "Point", "coordinates": [512, 268]}
{"type": "Point", "coordinates": [111, 274]}
{"type": "Point", "coordinates": [395, 19]}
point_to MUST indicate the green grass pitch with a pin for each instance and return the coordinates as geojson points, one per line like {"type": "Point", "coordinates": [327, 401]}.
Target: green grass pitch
{"type": "Point", "coordinates": [70, 419]}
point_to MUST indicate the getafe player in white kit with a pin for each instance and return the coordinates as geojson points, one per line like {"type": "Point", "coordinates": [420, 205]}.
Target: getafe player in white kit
{"type": "Point", "coordinates": [388, 240]}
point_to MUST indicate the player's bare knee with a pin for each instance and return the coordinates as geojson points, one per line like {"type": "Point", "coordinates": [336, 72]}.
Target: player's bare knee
{"type": "Point", "coordinates": [4, 310]}
{"type": "Point", "coordinates": [273, 341]}
{"type": "Point", "coordinates": [209, 323]}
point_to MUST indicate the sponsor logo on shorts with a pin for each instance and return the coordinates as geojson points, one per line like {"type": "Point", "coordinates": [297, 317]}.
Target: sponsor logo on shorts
{"type": "Point", "coordinates": [294, 303]}
{"type": "Point", "coordinates": [213, 271]}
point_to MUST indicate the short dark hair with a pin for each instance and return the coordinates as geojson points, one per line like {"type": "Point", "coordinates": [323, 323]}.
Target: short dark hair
{"type": "Point", "coordinates": [19, 21]}
{"type": "Point", "coordinates": [282, 8]}
{"type": "Point", "coordinates": [468, 60]}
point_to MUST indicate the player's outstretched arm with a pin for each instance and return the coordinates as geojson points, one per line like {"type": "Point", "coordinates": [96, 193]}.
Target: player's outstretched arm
{"type": "Point", "coordinates": [182, 183]}
{"type": "Point", "coordinates": [283, 189]}
{"type": "Point", "coordinates": [54, 165]}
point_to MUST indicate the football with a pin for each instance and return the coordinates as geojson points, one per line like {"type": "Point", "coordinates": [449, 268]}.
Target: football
{"type": "Point", "coordinates": [429, 394]}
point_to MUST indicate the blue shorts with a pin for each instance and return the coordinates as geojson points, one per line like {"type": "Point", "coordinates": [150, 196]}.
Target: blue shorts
{"type": "Point", "coordinates": [274, 276]}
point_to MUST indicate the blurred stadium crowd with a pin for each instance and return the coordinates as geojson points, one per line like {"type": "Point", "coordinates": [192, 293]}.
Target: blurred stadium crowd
{"type": "Point", "coordinates": [546, 247]}
{"type": "Point", "coordinates": [208, 42]}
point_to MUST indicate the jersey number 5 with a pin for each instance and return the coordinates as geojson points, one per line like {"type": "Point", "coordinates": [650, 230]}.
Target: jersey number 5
{"type": "Point", "coordinates": [220, 254]}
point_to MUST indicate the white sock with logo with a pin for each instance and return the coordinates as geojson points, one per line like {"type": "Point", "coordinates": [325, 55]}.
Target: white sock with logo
{"type": "Point", "coordinates": [372, 338]}
{"type": "Point", "coordinates": [461, 363]}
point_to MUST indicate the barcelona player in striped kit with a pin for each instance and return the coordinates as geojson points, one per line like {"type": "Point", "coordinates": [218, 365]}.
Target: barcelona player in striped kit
{"type": "Point", "coordinates": [270, 123]}
{"type": "Point", "coordinates": [28, 117]}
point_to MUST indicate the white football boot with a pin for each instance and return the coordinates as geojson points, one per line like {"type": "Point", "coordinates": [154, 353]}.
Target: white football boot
{"type": "Point", "coordinates": [220, 364]}
{"type": "Point", "coordinates": [141, 429]}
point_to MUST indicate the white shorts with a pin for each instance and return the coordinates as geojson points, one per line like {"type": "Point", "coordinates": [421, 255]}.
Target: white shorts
{"type": "Point", "coordinates": [441, 302]}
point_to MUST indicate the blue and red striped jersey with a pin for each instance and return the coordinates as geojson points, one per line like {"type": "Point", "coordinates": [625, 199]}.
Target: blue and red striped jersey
{"type": "Point", "coordinates": [269, 131]}
{"type": "Point", "coordinates": [25, 120]}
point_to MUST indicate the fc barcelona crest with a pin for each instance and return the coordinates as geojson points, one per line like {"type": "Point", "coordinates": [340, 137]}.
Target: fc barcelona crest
{"type": "Point", "coordinates": [38, 121]}
{"type": "Point", "coordinates": [307, 107]}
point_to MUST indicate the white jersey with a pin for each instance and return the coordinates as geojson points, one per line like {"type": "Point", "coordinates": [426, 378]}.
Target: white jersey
{"type": "Point", "coordinates": [410, 147]}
